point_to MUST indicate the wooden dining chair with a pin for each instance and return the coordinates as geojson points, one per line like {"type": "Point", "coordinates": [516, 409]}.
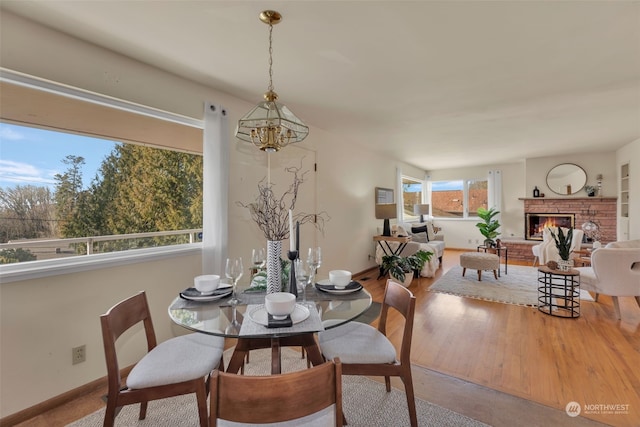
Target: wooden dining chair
{"type": "Point", "coordinates": [365, 350]}
{"type": "Point", "coordinates": [309, 397]}
{"type": "Point", "coordinates": [177, 366]}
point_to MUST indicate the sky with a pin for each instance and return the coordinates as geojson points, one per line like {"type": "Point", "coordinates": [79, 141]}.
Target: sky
{"type": "Point", "coordinates": [32, 156]}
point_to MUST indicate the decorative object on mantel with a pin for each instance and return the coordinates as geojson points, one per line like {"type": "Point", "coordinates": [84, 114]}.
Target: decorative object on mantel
{"type": "Point", "coordinates": [489, 227]}
{"type": "Point", "coordinates": [270, 125]}
{"type": "Point", "coordinates": [273, 218]}
{"type": "Point", "coordinates": [590, 190]}
{"type": "Point", "coordinates": [536, 192]}
{"type": "Point", "coordinates": [599, 181]}
{"type": "Point", "coordinates": [563, 243]}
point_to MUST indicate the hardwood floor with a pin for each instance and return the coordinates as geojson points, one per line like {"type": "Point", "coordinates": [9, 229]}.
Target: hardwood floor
{"type": "Point", "coordinates": [502, 364]}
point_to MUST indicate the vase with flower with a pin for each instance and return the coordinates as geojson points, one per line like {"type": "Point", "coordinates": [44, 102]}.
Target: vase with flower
{"type": "Point", "coordinates": [274, 215]}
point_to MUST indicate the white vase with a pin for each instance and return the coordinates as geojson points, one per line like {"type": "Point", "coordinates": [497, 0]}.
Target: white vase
{"type": "Point", "coordinates": [408, 278]}
{"type": "Point", "coordinates": [274, 267]}
{"type": "Point", "coordinates": [565, 265]}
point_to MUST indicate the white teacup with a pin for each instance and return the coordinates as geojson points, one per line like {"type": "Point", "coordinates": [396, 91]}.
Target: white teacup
{"type": "Point", "coordinates": [207, 283]}
{"type": "Point", "coordinates": [340, 278]}
{"type": "Point", "coordinates": [280, 304]}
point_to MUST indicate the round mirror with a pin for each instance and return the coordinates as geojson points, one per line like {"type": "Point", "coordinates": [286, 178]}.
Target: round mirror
{"type": "Point", "coordinates": [566, 179]}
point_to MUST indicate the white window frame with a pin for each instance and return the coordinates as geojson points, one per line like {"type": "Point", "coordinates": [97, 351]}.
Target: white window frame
{"type": "Point", "coordinates": [45, 268]}
{"type": "Point", "coordinates": [465, 197]}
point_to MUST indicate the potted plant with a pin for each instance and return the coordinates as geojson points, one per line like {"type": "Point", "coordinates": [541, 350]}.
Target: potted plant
{"type": "Point", "coordinates": [563, 243]}
{"type": "Point", "coordinates": [489, 226]}
{"type": "Point", "coordinates": [402, 268]}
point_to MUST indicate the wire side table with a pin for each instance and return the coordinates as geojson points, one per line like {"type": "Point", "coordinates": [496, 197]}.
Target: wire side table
{"type": "Point", "coordinates": [559, 292]}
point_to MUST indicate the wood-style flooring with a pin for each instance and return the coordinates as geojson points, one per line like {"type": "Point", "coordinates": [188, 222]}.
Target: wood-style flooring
{"type": "Point", "coordinates": [502, 364]}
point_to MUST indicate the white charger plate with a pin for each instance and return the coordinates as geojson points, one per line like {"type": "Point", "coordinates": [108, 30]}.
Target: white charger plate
{"type": "Point", "coordinates": [327, 282]}
{"type": "Point", "coordinates": [190, 293]}
{"type": "Point", "coordinates": [259, 314]}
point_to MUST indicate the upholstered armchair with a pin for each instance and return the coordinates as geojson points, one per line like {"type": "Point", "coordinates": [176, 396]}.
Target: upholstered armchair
{"type": "Point", "coordinates": [547, 250]}
{"type": "Point", "coordinates": [614, 271]}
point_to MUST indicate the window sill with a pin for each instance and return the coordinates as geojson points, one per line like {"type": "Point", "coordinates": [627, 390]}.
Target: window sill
{"type": "Point", "coordinates": [54, 267]}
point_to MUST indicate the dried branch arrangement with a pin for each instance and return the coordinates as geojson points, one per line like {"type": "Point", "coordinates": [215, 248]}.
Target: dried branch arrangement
{"type": "Point", "coordinates": [271, 213]}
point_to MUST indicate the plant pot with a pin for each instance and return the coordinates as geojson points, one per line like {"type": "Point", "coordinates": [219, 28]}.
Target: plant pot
{"type": "Point", "coordinates": [565, 264]}
{"type": "Point", "coordinates": [408, 278]}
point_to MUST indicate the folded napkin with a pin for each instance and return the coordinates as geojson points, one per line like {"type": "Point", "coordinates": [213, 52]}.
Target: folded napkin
{"type": "Point", "coordinates": [351, 286]}
{"type": "Point", "coordinates": [279, 323]}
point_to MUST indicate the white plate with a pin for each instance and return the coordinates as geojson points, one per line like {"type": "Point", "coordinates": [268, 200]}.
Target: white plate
{"type": "Point", "coordinates": [259, 314]}
{"type": "Point", "coordinates": [190, 293]}
{"type": "Point", "coordinates": [326, 282]}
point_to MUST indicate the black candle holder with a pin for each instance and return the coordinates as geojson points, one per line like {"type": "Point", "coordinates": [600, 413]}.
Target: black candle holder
{"type": "Point", "coordinates": [293, 286]}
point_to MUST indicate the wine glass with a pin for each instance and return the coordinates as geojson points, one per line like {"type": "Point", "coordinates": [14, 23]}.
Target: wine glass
{"type": "Point", "coordinates": [314, 259]}
{"type": "Point", "coordinates": [233, 271]}
{"type": "Point", "coordinates": [303, 275]}
{"type": "Point", "coordinates": [258, 258]}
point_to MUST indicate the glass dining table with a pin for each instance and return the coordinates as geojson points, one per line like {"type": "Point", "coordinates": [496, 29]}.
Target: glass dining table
{"type": "Point", "coordinates": [247, 322]}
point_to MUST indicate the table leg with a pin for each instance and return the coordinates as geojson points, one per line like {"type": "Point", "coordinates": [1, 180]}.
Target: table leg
{"type": "Point", "coordinates": [276, 367]}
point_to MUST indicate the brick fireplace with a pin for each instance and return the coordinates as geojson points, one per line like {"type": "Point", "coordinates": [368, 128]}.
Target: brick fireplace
{"type": "Point", "coordinates": [602, 210]}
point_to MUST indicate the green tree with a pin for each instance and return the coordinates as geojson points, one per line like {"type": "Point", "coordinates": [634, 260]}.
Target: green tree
{"type": "Point", "coordinates": [68, 195]}
{"type": "Point", "coordinates": [26, 212]}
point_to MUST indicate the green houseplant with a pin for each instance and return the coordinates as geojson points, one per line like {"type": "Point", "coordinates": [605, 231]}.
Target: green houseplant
{"type": "Point", "coordinates": [563, 243]}
{"type": "Point", "coordinates": [489, 227]}
{"type": "Point", "coordinates": [398, 266]}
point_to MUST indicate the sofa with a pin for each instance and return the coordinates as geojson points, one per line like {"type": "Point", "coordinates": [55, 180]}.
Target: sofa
{"type": "Point", "coordinates": [424, 236]}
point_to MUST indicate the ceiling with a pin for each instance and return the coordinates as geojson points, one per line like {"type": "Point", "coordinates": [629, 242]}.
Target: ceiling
{"type": "Point", "coordinates": [436, 84]}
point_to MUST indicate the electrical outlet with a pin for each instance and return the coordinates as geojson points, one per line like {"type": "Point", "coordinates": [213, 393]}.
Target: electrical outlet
{"type": "Point", "coordinates": [78, 354]}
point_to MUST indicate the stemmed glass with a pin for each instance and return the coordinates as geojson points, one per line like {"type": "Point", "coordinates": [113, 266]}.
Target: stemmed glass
{"type": "Point", "coordinates": [314, 258]}
{"type": "Point", "coordinates": [258, 258]}
{"type": "Point", "coordinates": [303, 277]}
{"type": "Point", "coordinates": [233, 271]}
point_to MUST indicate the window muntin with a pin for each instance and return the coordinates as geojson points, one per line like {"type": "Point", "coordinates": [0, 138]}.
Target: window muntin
{"type": "Point", "coordinates": [458, 198]}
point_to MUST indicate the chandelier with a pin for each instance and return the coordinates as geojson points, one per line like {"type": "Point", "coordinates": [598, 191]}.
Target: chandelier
{"type": "Point", "coordinates": [270, 125]}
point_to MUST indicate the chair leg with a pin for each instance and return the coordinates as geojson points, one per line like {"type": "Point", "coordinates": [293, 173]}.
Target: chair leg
{"type": "Point", "coordinates": [616, 306]}
{"type": "Point", "coordinates": [201, 397]}
{"type": "Point", "coordinates": [495, 274]}
{"type": "Point", "coordinates": [411, 400]}
{"type": "Point", "coordinates": [638, 300]}
{"type": "Point", "coordinates": [109, 415]}
{"type": "Point", "coordinates": [143, 410]}
{"type": "Point", "coordinates": [387, 383]}
{"type": "Point", "coordinates": [464, 270]}
{"type": "Point", "coordinates": [535, 260]}
{"type": "Point", "coordinates": [479, 275]}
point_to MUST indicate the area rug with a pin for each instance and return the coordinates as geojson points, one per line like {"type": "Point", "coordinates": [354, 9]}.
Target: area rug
{"type": "Point", "coordinates": [365, 403]}
{"type": "Point", "coordinates": [519, 287]}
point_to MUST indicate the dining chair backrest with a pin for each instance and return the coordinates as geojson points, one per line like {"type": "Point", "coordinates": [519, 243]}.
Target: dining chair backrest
{"type": "Point", "coordinates": [309, 397]}
{"type": "Point", "coordinates": [402, 300]}
{"type": "Point", "coordinates": [117, 320]}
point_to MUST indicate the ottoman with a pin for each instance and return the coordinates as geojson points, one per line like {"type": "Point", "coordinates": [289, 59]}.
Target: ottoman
{"type": "Point", "coordinates": [480, 261]}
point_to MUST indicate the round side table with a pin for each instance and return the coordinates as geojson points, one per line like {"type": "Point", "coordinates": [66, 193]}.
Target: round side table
{"type": "Point", "coordinates": [559, 292]}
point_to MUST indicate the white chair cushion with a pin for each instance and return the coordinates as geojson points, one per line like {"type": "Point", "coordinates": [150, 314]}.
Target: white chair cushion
{"type": "Point", "coordinates": [356, 342]}
{"type": "Point", "coordinates": [179, 359]}
{"type": "Point", "coordinates": [323, 418]}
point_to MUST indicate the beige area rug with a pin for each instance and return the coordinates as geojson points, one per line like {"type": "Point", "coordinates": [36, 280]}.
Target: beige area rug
{"type": "Point", "coordinates": [519, 287]}
{"type": "Point", "coordinates": [365, 402]}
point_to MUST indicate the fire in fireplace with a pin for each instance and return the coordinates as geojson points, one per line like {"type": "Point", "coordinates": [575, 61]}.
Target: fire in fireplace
{"type": "Point", "coordinates": [536, 222]}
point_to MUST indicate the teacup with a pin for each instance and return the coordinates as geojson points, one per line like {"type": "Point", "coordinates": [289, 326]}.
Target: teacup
{"type": "Point", "coordinates": [340, 278]}
{"type": "Point", "coordinates": [207, 283]}
{"type": "Point", "coordinates": [280, 304]}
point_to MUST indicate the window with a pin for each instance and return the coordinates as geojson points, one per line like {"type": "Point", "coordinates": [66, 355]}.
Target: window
{"type": "Point", "coordinates": [125, 136]}
{"type": "Point", "coordinates": [411, 195]}
{"type": "Point", "coordinates": [459, 198]}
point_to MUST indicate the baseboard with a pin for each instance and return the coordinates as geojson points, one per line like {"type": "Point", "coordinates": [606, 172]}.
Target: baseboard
{"type": "Point", "coordinates": [59, 400]}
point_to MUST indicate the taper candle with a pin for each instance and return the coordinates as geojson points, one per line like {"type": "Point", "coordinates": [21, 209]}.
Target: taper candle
{"type": "Point", "coordinates": [298, 236]}
{"type": "Point", "coordinates": [292, 243]}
